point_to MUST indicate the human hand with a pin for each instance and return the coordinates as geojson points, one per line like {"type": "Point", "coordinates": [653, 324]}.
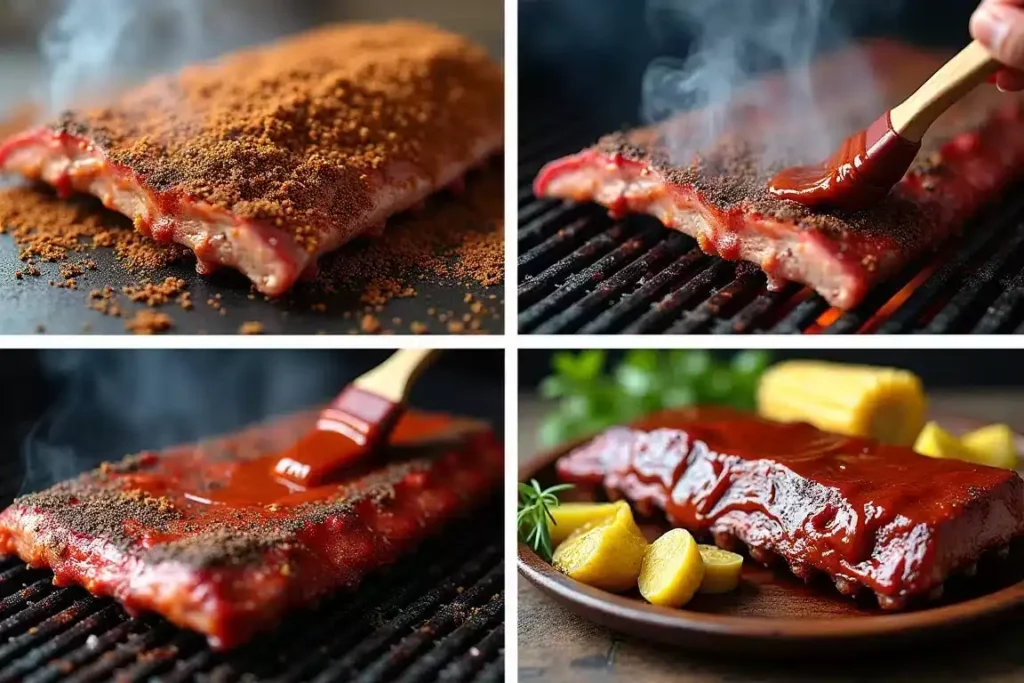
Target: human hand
{"type": "Point", "coordinates": [999, 26]}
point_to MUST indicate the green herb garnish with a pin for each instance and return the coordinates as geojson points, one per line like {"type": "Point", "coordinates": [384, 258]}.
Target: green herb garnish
{"type": "Point", "coordinates": [589, 399]}
{"type": "Point", "coordinates": [534, 513]}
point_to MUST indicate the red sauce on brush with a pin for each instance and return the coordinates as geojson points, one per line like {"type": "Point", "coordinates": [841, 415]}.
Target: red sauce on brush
{"type": "Point", "coordinates": [859, 175]}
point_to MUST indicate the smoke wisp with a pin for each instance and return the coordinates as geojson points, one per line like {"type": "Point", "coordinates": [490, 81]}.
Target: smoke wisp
{"type": "Point", "coordinates": [113, 403]}
{"type": "Point", "coordinates": [107, 404]}
{"type": "Point", "coordinates": [734, 42]}
{"type": "Point", "coordinates": [94, 48]}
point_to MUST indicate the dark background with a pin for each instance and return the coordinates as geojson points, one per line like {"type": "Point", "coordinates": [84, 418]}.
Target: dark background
{"type": "Point", "coordinates": [939, 369]}
{"type": "Point", "coordinates": [72, 409]}
{"type": "Point", "coordinates": [591, 53]}
{"type": "Point", "coordinates": [21, 20]}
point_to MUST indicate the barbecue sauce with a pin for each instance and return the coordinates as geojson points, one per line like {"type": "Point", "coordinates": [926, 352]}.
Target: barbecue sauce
{"type": "Point", "coordinates": [234, 484]}
{"type": "Point", "coordinates": [859, 175]}
{"type": "Point", "coordinates": [850, 506]}
{"type": "Point", "coordinates": [349, 430]}
{"type": "Point", "coordinates": [252, 482]}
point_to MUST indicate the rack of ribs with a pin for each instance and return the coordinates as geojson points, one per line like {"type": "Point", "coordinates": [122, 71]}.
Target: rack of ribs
{"type": "Point", "coordinates": [719, 195]}
{"type": "Point", "coordinates": [266, 159]}
{"type": "Point", "coordinates": [871, 517]}
{"type": "Point", "coordinates": [200, 535]}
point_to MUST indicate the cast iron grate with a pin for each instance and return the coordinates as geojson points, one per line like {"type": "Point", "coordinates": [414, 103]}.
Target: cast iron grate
{"type": "Point", "coordinates": [437, 616]}
{"type": "Point", "coordinates": [581, 272]}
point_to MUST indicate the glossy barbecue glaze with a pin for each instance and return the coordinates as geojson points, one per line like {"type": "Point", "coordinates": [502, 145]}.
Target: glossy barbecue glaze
{"type": "Point", "coordinates": [864, 513]}
{"type": "Point", "coordinates": [205, 536]}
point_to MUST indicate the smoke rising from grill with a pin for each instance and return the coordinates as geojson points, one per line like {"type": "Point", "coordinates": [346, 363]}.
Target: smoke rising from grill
{"type": "Point", "coordinates": [109, 404]}
{"type": "Point", "coordinates": [95, 47]}
{"type": "Point", "coordinates": [735, 41]}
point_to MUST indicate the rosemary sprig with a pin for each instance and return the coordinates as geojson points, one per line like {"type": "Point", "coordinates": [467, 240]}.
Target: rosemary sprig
{"type": "Point", "coordinates": [534, 513]}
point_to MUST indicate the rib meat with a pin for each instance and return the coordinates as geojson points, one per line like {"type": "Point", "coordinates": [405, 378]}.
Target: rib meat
{"type": "Point", "coordinates": [867, 515]}
{"type": "Point", "coordinates": [139, 531]}
{"type": "Point", "coordinates": [269, 158]}
{"type": "Point", "coordinates": [719, 194]}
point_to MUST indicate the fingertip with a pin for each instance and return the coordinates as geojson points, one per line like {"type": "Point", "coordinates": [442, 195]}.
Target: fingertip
{"type": "Point", "coordinates": [990, 28]}
{"type": "Point", "coordinates": [1010, 80]}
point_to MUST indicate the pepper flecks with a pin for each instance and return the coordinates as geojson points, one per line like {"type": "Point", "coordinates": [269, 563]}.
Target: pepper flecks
{"type": "Point", "coordinates": [299, 134]}
{"type": "Point", "coordinates": [88, 507]}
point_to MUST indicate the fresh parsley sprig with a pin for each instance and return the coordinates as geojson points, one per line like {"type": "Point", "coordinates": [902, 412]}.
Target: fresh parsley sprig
{"type": "Point", "coordinates": [534, 513]}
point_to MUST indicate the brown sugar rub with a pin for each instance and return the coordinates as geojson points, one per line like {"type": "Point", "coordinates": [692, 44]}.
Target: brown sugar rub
{"type": "Point", "coordinates": [138, 531]}
{"type": "Point", "coordinates": [266, 159]}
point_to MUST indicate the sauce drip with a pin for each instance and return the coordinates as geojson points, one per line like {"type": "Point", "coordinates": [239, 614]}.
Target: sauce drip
{"type": "Point", "coordinates": [859, 175]}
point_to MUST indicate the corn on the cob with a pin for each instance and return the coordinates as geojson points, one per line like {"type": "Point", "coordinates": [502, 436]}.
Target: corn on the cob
{"type": "Point", "coordinates": [887, 404]}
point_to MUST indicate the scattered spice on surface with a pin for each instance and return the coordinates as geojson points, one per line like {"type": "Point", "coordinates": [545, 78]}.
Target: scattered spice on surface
{"type": "Point", "coordinates": [370, 324]}
{"type": "Point", "coordinates": [251, 327]}
{"type": "Point", "coordinates": [426, 247]}
{"type": "Point", "coordinates": [52, 229]}
{"type": "Point", "coordinates": [156, 294]}
{"type": "Point", "coordinates": [448, 241]}
{"type": "Point", "coordinates": [149, 322]}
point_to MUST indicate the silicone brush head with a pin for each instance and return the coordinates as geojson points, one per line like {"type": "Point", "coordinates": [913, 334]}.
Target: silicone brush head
{"type": "Point", "coordinates": [859, 175]}
{"type": "Point", "coordinates": [354, 425]}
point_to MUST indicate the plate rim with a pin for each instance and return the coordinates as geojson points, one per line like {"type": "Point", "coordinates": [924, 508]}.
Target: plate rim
{"type": "Point", "coordinates": [669, 624]}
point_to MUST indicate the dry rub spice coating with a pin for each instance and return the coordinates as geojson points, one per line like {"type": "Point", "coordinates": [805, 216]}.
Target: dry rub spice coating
{"type": "Point", "coordinates": [295, 134]}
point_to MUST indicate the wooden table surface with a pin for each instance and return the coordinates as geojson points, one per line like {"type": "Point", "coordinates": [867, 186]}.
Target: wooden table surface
{"type": "Point", "coordinates": [555, 645]}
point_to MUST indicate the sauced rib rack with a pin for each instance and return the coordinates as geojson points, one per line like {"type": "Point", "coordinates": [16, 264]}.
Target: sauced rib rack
{"type": "Point", "coordinates": [720, 196]}
{"type": "Point", "coordinates": [137, 531]}
{"type": "Point", "coordinates": [269, 158]}
{"type": "Point", "coordinates": [869, 516]}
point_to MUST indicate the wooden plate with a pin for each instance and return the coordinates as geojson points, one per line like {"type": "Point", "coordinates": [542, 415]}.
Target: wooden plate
{"type": "Point", "coordinates": [773, 612]}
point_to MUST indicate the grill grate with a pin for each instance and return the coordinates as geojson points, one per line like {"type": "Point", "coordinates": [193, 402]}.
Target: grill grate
{"type": "Point", "coordinates": [438, 616]}
{"type": "Point", "coordinates": [581, 272]}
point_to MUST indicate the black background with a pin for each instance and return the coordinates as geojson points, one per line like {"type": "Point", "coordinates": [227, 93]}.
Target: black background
{"type": "Point", "coordinates": [591, 53]}
{"type": "Point", "coordinates": [73, 409]}
{"type": "Point", "coordinates": [938, 368]}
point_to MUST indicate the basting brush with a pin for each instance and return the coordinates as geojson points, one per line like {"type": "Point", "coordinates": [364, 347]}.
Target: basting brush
{"type": "Point", "coordinates": [356, 423]}
{"type": "Point", "coordinates": [869, 163]}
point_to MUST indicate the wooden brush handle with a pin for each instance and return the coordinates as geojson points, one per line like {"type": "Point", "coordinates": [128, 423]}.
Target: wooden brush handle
{"type": "Point", "coordinates": [394, 378]}
{"type": "Point", "coordinates": [960, 75]}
